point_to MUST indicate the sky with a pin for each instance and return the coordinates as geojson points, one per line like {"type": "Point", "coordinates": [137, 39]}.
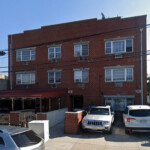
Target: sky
{"type": "Point", "coordinates": [17, 16]}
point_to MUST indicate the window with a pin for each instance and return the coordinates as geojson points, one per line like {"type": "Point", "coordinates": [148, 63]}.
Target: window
{"type": "Point", "coordinates": [25, 78]}
{"type": "Point", "coordinates": [25, 54]}
{"type": "Point", "coordinates": [54, 77]}
{"type": "Point", "coordinates": [120, 46]}
{"type": "Point", "coordinates": [54, 52]}
{"type": "Point", "coordinates": [81, 50]}
{"type": "Point", "coordinates": [2, 142]}
{"type": "Point", "coordinates": [81, 76]}
{"type": "Point", "coordinates": [119, 74]}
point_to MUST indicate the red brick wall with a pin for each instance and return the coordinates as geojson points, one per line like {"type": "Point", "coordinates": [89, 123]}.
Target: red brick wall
{"type": "Point", "coordinates": [73, 122]}
{"type": "Point", "coordinates": [95, 90]}
{"type": "Point", "coordinates": [14, 118]}
{"type": "Point", "coordinates": [41, 116]}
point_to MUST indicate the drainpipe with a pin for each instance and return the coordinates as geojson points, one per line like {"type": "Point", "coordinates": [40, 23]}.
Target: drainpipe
{"type": "Point", "coordinates": [11, 63]}
{"type": "Point", "coordinates": [141, 30]}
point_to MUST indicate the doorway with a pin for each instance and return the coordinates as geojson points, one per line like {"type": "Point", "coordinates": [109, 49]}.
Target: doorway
{"type": "Point", "coordinates": [78, 102]}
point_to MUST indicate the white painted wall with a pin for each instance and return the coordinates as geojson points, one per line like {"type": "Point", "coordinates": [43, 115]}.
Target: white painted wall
{"type": "Point", "coordinates": [56, 116]}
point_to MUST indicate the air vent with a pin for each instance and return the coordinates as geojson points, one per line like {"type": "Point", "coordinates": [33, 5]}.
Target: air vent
{"type": "Point", "coordinates": [118, 84]}
{"type": "Point", "coordinates": [54, 60]}
{"type": "Point", "coordinates": [25, 86]}
{"type": "Point", "coordinates": [25, 63]}
{"type": "Point", "coordinates": [80, 58]}
{"type": "Point", "coordinates": [118, 56]}
{"type": "Point", "coordinates": [81, 85]}
{"type": "Point", "coordinates": [54, 86]}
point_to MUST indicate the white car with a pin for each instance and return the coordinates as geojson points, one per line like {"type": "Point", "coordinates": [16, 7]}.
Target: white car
{"type": "Point", "coordinates": [137, 118]}
{"type": "Point", "coordinates": [99, 118]}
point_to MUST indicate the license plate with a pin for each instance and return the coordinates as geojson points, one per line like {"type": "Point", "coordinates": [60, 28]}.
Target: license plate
{"type": "Point", "coordinates": [143, 121]}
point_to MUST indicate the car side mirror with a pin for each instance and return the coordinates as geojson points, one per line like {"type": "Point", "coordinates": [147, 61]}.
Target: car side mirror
{"type": "Point", "coordinates": [112, 113]}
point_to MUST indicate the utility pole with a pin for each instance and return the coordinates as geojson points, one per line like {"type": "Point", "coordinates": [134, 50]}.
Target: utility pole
{"type": "Point", "coordinates": [141, 30]}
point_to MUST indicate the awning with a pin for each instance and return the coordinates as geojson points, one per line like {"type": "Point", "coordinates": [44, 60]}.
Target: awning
{"type": "Point", "coordinates": [33, 93]}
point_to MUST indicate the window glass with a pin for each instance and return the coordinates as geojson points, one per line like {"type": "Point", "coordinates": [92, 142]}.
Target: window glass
{"type": "Point", "coordinates": [85, 76]}
{"type": "Point", "coordinates": [18, 55]}
{"type": "Point", "coordinates": [2, 142]}
{"type": "Point", "coordinates": [51, 77]}
{"type": "Point", "coordinates": [25, 55]}
{"type": "Point", "coordinates": [84, 50]}
{"type": "Point", "coordinates": [58, 52]}
{"type": "Point", "coordinates": [25, 139]}
{"type": "Point", "coordinates": [108, 74]}
{"type": "Point", "coordinates": [130, 101]}
{"type": "Point", "coordinates": [78, 76]}
{"type": "Point", "coordinates": [129, 74]}
{"type": "Point", "coordinates": [32, 78]}
{"type": "Point", "coordinates": [99, 111]}
{"type": "Point", "coordinates": [77, 51]}
{"type": "Point", "coordinates": [58, 77]}
{"type": "Point", "coordinates": [33, 55]}
{"type": "Point", "coordinates": [118, 46]}
{"type": "Point", "coordinates": [140, 113]}
{"type": "Point", "coordinates": [108, 48]}
{"type": "Point", "coordinates": [128, 45]}
{"type": "Point", "coordinates": [118, 75]}
{"type": "Point", "coordinates": [18, 78]}
{"type": "Point", "coordinates": [25, 78]}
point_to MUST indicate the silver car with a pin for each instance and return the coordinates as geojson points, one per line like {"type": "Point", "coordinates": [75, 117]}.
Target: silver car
{"type": "Point", "coordinates": [16, 138]}
{"type": "Point", "coordinates": [99, 118]}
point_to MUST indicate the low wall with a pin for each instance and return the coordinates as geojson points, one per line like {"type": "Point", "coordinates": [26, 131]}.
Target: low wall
{"type": "Point", "coordinates": [56, 116]}
{"type": "Point", "coordinates": [73, 122]}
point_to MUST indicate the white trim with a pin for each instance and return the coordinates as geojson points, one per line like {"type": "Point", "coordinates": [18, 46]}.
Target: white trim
{"type": "Point", "coordinates": [119, 96]}
{"type": "Point", "coordinates": [81, 69]}
{"type": "Point", "coordinates": [119, 38]}
{"type": "Point", "coordinates": [54, 71]}
{"type": "Point", "coordinates": [119, 67]}
{"type": "Point", "coordinates": [24, 49]}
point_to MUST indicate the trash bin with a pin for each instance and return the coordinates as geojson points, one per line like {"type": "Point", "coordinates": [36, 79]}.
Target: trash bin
{"type": "Point", "coordinates": [41, 128]}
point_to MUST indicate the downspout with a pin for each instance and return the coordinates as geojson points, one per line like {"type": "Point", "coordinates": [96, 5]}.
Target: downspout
{"type": "Point", "coordinates": [11, 63]}
{"type": "Point", "coordinates": [141, 30]}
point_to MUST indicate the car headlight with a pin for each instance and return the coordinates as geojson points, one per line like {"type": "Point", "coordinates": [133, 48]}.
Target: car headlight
{"type": "Point", "coordinates": [84, 121]}
{"type": "Point", "coordinates": [106, 122]}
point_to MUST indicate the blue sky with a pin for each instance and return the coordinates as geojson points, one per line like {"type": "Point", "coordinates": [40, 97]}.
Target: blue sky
{"type": "Point", "coordinates": [19, 15]}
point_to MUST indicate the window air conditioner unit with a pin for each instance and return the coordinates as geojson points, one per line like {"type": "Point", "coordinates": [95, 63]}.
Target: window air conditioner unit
{"type": "Point", "coordinates": [25, 63]}
{"type": "Point", "coordinates": [118, 56]}
{"type": "Point", "coordinates": [80, 58]}
{"type": "Point", "coordinates": [25, 86]}
{"type": "Point", "coordinates": [78, 81]}
{"type": "Point", "coordinates": [54, 60]}
{"type": "Point", "coordinates": [54, 86]}
{"type": "Point", "coordinates": [118, 84]}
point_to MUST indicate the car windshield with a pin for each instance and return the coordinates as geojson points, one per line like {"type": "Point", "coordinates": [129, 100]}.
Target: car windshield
{"type": "Point", "coordinates": [99, 111]}
{"type": "Point", "coordinates": [25, 139]}
{"type": "Point", "coordinates": [140, 113]}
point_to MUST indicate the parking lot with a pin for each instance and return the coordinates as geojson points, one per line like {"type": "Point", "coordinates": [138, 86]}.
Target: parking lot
{"type": "Point", "coordinates": [118, 140]}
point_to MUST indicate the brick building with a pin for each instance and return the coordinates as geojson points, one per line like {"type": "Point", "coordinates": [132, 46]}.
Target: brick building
{"type": "Point", "coordinates": [97, 61]}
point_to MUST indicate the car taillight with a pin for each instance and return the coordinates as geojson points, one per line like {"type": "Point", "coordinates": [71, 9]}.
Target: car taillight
{"type": "Point", "coordinates": [130, 119]}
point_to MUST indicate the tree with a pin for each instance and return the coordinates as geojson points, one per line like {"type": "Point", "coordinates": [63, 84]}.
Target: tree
{"type": "Point", "coordinates": [2, 53]}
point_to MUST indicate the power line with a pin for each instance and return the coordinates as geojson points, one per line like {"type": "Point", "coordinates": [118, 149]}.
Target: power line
{"type": "Point", "coordinates": [88, 59]}
{"type": "Point", "coordinates": [68, 65]}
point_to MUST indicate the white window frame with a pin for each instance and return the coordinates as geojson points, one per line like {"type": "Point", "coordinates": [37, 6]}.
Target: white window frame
{"type": "Point", "coordinates": [54, 47]}
{"type": "Point", "coordinates": [118, 41]}
{"type": "Point", "coordinates": [25, 49]}
{"type": "Point", "coordinates": [81, 70]}
{"type": "Point", "coordinates": [80, 44]}
{"type": "Point", "coordinates": [22, 73]}
{"type": "Point", "coordinates": [125, 74]}
{"type": "Point", "coordinates": [54, 71]}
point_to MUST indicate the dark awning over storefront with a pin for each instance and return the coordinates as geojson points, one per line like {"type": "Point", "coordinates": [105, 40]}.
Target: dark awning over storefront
{"type": "Point", "coordinates": [33, 93]}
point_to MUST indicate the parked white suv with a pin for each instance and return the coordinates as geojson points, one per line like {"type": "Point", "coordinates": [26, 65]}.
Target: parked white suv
{"type": "Point", "coordinates": [137, 118]}
{"type": "Point", "coordinates": [99, 118]}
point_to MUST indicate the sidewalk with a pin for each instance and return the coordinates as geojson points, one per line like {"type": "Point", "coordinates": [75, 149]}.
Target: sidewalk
{"type": "Point", "coordinates": [97, 141]}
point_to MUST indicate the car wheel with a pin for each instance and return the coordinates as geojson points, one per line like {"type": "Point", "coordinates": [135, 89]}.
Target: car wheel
{"type": "Point", "coordinates": [110, 131]}
{"type": "Point", "coordinates": [127, 131]}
